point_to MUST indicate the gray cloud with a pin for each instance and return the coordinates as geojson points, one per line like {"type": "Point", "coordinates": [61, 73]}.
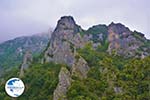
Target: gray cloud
{"type": "Point", "coordinates": [24, 17]}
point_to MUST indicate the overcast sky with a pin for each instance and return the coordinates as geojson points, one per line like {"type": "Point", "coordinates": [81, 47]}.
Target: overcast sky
{"type": "Point", "coordinates": [25, 17]}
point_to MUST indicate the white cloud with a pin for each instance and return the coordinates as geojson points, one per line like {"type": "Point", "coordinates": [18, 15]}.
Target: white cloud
{"type": "Point", "coordinates": [45, 13]}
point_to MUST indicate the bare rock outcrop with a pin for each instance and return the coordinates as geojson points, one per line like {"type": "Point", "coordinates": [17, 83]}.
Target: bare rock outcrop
{"type": "Point", "coordinates": [26, 62]}
{"type": "Point", "coordinates": [65, 39]}
{"type": "Point", "coordinates": [63, 85]}
{"type": "Point", "coordinates": [124, 42]}
{"type": "Point", "coordinates": [80, 68]}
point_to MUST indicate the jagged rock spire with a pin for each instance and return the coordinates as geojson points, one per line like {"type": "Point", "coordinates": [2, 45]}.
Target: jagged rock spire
{"type": "Point", "coordinates": [66, 22]}
{"type": "Point", "coordinates": [62, 49]}
{"type": "Point", "coordinates": [65, 29]}
{"type": "Point", "coordinates": [63, 85]}
{"type": "Point", "coordinates": [65, 38]}
{"type": "Point", "coordinates": [27, 60]}
{"type": "Point", "coordinates": [118, 28]}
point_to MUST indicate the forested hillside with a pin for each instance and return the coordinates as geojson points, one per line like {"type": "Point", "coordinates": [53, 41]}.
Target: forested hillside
{"type": "Point", "coordinates": [101, 63]}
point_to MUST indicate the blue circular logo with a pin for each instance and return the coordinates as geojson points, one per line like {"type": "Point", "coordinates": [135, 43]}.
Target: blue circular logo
{"type": "Point", "coordinates": [14, 87]}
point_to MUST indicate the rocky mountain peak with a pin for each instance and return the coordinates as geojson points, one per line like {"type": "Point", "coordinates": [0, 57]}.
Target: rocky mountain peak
{"type": "Point", "coordinates": [63, 42]}
{"type": "Point", "coordinates": [65, 24]}
{"type": "Point", "coordinates": [62, 49]}
{"type": "Point", "coordinates": [125, 42]}
{"type": "Point", "coordinates": [118, 28]}
{"type": "Point", "coordinates": [85, 69]}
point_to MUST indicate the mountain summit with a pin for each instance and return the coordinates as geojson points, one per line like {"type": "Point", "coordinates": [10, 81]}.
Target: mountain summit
{"type": "Point", "coordinates": [125, 42]}
{"type": "Point", "coordinates": [101, 63]}
{"type": "Point", "coordinates": [68, 37]}
{"type": "Point", "coordinates": [64, 41]}
{"type": "Point", "coordinates": [62, 49]}
{"type": "Point", "coordinates": [67, 23]}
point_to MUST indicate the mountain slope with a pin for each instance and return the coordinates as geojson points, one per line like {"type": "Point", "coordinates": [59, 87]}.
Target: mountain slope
{"type": "Point", "coordinates": [101, 63]}
{"type": "Point", "coordinates": [12, 51]}
{"type": "Point", "coordinates": [69, 39]}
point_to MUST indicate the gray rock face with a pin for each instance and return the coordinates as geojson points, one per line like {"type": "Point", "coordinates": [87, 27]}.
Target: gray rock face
{"type": "Point", "coordinates": [124, 42]}
{"type": "Point", "coordinates": [64, 83]}
{"type": "Point", "coordinates": [26, 62]}
{"type": "Point", "coordinates": [80, 68]}
{"type": "Point", "coordinates": [66, 23]}
{"type": "Point", "coordinates": [118, 28]}
{"type": "Point", "coordinates": [115, 32]}
{"type": "Point", "coordinates": [64, 41]}
{"type": "Point", "coordinates": [67, 37]}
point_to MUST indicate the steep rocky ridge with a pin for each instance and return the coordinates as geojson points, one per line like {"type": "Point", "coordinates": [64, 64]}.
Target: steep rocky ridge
{"type": "Point", "coordinates": [94, 70]}
{"type": "Point", "coordinates": [63, 85]}
{"type": "Point", "coordinates": [124, 42]}
{"type": "Point", "coordinates": [65, 39]}
{"type": "Point", "coordinates": [27, 60]}
{"type": "Point", "coordinates": [68, 37]}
